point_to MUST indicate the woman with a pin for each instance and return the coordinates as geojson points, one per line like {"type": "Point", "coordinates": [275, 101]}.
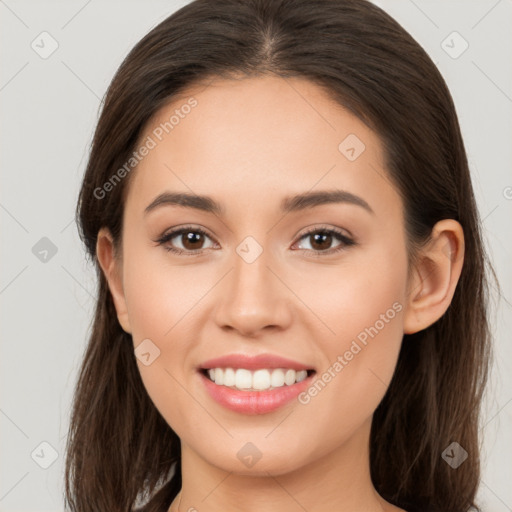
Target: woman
{"type": "Point", "coordinates": [292, 303]}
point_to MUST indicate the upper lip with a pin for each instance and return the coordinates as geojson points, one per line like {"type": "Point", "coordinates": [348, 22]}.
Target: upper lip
{"type": "Point", "coordinates": [253, 362]}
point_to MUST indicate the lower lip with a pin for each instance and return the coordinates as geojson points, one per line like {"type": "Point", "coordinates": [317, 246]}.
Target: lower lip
{"type": "Point", "coordinates": [254, 402]}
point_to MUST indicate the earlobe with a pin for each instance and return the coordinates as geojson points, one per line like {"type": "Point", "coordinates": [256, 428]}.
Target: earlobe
{"type": "Point", "coordinates": [436, 274]}
{"type": "Point", "coordinates": [110, 266]}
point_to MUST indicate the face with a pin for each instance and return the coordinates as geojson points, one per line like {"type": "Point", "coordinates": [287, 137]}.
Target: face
{"type": "Point", "coordinates": [310, 291]}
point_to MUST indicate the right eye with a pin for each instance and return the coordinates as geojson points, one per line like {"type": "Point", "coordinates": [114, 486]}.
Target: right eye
{"type": "Point", "coordinates": [190, 238]}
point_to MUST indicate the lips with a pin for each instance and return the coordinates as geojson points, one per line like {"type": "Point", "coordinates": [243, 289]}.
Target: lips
{"type": "Point", "coordinates": [260, 361]}
{"type": "Point", "coordinates": [254, 384]}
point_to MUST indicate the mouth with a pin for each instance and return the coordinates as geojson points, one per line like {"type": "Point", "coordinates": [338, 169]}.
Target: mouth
{"type": "Point", "coordinates": [254, 384]}
{"type": "Point", "coordinates": [263, 379]}
{"type": "Point", "coordinates": [255, 392]}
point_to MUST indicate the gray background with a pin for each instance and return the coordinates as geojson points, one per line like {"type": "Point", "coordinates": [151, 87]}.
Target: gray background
{"type": "Point", "coordinates": [49, 110]}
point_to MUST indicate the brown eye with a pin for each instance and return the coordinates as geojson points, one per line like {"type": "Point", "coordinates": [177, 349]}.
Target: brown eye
{"type": "Point", "coordinates": [325, 241]}
{"type": "Point", "coordinates": [185, 240]}
{"type": "Point", "coordinates": [320, 241]}
{"type": "Point", "coordinates": [192, 240]}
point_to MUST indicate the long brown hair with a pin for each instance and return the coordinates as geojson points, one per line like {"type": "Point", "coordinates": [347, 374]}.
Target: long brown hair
{"type": "Point", "coordinates": [121, 452]}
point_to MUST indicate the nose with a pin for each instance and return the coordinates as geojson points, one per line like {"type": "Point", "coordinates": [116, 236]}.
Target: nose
{"type": "Point", "coordinates": [253, 298]}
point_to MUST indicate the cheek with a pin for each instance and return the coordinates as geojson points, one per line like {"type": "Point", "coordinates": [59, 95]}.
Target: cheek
{"type": "Point", "coordinates": [161, 301]}
{"type": "Point", "coordinates": [364, 291]}
{"type": "Point", "coordinates": [160, 296]}
{"type": "Point", "coordinates": [364, 308]}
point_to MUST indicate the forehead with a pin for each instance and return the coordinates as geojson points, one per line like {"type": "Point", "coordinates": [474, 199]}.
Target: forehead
{"type": "Point", "coordinates": [261, 136]}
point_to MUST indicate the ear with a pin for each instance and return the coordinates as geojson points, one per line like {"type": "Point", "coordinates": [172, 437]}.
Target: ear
{"type": "Point", "coordinates": [112, 269]}
{"type": "Point", "coordinates": [435, 276]}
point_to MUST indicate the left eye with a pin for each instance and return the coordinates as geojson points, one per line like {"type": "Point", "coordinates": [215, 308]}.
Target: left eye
{"type": "Point", "coordinates": [320, 240]}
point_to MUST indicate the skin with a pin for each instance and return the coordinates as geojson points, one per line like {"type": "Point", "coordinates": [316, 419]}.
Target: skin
{"type": "Point", "coordinates": [248, 144]}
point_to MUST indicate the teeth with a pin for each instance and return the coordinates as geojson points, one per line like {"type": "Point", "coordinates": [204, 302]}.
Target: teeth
{"type": "Point", "coordinates": [229, 377]}
{"type": "Point", "coordinates": [258, 380]}
{"type": "Point", "coordinates": [243, 378]}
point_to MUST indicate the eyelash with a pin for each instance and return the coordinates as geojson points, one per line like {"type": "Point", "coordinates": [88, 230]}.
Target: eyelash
{"type": "Point", "coordinates": [345, 240]}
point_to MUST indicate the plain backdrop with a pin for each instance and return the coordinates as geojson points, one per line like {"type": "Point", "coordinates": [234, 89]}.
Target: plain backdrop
{"type": "Point", "coordinates": [49, 107]}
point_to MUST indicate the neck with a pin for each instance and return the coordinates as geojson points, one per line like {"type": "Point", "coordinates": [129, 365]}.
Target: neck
{"type": "Point", "coordinates": [339, 480]}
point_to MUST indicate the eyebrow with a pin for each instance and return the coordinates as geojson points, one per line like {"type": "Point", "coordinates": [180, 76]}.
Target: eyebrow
{"type": "Point", "coordinates": [289, 204]}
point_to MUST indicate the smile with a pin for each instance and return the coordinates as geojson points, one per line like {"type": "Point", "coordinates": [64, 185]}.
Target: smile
{"type": "Point", "coordinates": [258, 380]}
{"type": "Point", "coordinates": [259, 391]}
